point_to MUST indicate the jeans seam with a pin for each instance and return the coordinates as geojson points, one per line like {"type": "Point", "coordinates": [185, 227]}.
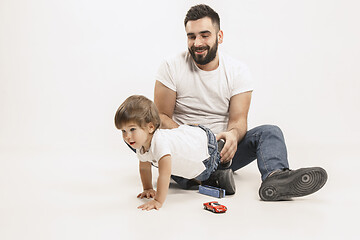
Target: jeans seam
{"type": "Point", "coordinates": [260, 152]}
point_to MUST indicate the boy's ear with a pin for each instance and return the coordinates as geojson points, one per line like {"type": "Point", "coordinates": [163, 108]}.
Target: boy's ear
{"type": "Point", "coordinates": [151, 127]}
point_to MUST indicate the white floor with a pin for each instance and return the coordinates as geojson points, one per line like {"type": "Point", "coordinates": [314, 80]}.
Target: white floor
{"type": "Point", "coordinates": [88, 194]}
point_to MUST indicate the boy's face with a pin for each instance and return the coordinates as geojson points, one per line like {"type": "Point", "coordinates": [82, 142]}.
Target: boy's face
{"type": "Point", "coordinates": [136, 136]}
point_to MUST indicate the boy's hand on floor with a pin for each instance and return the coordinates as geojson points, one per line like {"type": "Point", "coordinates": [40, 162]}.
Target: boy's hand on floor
{"type": "Point", "coordinates": [153, 204]}
{"type": "Point", "coordinates": [149, 193]}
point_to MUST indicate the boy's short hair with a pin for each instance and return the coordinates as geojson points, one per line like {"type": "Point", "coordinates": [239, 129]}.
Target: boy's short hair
{"type": "Point", "coordinates": [200, 11]}
{"type": "Point", "coordinates": [138, 109]}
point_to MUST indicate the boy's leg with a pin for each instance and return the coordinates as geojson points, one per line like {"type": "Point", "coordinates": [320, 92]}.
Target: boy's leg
{"type": "Point", "coordinates": [185, 183]}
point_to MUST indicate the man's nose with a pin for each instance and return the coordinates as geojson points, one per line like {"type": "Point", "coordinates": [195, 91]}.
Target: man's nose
{"type": "Point", "coordinates": [198, 42]}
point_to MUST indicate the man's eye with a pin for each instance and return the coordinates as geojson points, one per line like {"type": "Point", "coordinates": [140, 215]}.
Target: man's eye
{"type": "Point", "coordinates": [123, 131]}
{"type": "Point", "coordinates": [191, 37]}
{"type": "Point", "coordinates": [205, 36]}
{"type": "Point", "coordinates": [132, 129]}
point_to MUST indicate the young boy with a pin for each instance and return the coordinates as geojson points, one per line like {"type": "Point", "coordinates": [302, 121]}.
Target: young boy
{"type": "Point", "coordinates": [189, 152]}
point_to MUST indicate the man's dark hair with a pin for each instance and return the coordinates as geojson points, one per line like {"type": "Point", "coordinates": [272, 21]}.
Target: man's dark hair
{"type": "Point", "coordinates": [200, 11]}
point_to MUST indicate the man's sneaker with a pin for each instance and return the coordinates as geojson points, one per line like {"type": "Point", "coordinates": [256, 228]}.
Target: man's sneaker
{"type": "Point", "coordinates": [221, 144]}
{"type": "Point", "coordinates": [222, 179]}
{"type": "Point", "coordinates": [285, 184]}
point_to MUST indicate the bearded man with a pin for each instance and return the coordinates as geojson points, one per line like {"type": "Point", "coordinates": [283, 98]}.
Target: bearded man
{"type": "Point", "coordinates": [208, 87]}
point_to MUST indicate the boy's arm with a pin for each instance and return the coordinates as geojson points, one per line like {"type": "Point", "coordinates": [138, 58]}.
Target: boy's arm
{"type": "Point", "coordinates": [146, 180]}
{"type": "Point", "coordinates": [163, 179]}
{"type": "Point", "coordinates": [162, 185]}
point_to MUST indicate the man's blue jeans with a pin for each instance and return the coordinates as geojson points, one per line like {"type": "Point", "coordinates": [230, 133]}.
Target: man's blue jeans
{"type": "Point", "coordinates": [266, 144]}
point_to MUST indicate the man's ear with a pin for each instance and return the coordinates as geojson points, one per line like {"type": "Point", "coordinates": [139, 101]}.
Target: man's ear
{"type": "Point", "coordinates": [220, 36]}
{"type": "Point", "coordinates": [151, 127]}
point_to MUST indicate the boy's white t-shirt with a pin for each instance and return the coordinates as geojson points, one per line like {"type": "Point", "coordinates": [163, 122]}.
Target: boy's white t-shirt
{"type": "Point", "coordinates": [187, 145]}
{"type": "Point", "coordinates": [202, 97]}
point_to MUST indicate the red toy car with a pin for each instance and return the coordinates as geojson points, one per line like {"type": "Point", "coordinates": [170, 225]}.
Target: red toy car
{"type": "Point", "coordinates": [215, 207]}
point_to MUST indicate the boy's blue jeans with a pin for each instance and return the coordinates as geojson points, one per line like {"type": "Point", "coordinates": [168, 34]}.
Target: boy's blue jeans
{"type": "Point", "coordinates": [265, 143]}
{"type": "Point", "coordinates": [210, 163]}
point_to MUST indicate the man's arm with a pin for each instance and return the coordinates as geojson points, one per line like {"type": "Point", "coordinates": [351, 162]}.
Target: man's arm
{"type": "Point", "coordinates": [237, 125]}
{"type": "Point", "coordinates": [164, 99]}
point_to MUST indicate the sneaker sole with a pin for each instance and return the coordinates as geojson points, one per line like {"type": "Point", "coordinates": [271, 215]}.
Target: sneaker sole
{"type": "Point", "coordinates": [301, 183]}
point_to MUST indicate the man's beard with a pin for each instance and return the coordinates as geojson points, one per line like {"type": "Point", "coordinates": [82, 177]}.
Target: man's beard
{"type": "Point", "coordinates": [202, 60]}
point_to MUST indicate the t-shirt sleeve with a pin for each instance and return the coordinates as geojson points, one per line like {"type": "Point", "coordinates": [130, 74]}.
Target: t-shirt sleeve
{"type": "Point", "coordinates": [159, 147]}
{"type": "Point", "coordinates": [165, 76]}
{"type": "Point", "coordinates": [142, 157]}
{"type": "Point", "coordinates": [242, 81]}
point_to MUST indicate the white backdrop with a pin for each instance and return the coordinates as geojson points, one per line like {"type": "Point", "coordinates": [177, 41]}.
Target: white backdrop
{"type": "Point", "coordinates": [65, 66]}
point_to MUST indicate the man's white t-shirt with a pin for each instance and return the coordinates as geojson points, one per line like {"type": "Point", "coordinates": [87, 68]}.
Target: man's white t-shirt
{"type": "Point", "coordinates": [187, 145]}
{"type": "Point", "coordinates": [203, 97]}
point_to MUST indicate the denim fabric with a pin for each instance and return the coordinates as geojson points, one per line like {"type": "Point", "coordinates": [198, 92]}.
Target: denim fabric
{"type": "Point", "coordinates": [266, 144]}
{"type": "Point", "coordinates": [213, 161]}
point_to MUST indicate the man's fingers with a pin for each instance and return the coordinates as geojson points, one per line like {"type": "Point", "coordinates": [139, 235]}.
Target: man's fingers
{"type": "Point", "coordinates": [220, 136]}
{"type": "Point", "coordinates": [228, 152]}
{"type": "Point", "coordinates": [231, 154]}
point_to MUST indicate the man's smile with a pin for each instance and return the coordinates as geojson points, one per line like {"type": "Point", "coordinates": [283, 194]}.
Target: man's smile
{"type": "Point", "coordinates": [200, 51]}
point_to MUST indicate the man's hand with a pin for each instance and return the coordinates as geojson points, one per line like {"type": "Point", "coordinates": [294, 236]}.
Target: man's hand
{"type": "Point", "coordinates": [230, 146]}
{"type": "Point", "coordinates": [149, 193]}
{"type": "Point", "coordinates": [153, 204]}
